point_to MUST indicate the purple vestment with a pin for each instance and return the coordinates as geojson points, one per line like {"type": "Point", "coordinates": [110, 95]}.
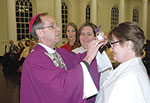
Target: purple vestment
{"type": "Point", "coordinates": [42, 82]}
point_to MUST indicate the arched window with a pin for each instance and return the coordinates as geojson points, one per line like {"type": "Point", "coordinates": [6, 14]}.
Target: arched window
{"type": "Point", "coordinates": [23, 16]}
{"type": "Point", "coordinates": [136, 16]}
{"type": "Point", "coordinates": [88, 12]}
{"type": "Point", "coordinates": [64, 14]}
{"type": "Point", "coordinates": [114, 16]}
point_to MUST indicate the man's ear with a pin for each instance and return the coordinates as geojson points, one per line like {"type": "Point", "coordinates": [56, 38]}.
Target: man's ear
{"type": "Point", "coordinates": [39, 32]}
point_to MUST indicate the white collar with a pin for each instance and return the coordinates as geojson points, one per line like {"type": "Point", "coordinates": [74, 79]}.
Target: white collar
{"type": "Point", "coordinates": [48, 49]}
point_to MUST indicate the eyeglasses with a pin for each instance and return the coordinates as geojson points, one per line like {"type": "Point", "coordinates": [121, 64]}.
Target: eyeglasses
{"type": "Point", "coordinates": [112, 43]}
{"type": "Point", "coordinates": [51, 26]}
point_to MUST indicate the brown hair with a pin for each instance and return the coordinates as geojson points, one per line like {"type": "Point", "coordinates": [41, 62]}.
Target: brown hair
{"type": "Point", "coordinates": [129, 31]}
{"type": "Point", "coordinates": [76, 43]}
{"type": "Point", "coordinates": [93, 26]}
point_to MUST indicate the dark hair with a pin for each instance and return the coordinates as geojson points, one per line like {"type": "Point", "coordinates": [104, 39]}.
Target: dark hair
{"type": "Point", "coordinates": [129, 31]}
{"type": "Point", "coordinates": [93, 26]}
{"type": "Point", "coordinates": [20, 43]}
{"type": "Point", "coordinates": [26, 42]}
{"type": "Point", "coordinates": [76, 44]}
{"type": "Point", "coordinates": [148, 42]}
{"type": "Point", "coordinates": [37, 25]}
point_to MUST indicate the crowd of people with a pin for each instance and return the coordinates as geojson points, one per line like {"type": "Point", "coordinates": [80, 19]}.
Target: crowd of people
{"type": "Point", "coordinates": [14, 58]}
{"type": "Point", "coordinates": [78, 72]}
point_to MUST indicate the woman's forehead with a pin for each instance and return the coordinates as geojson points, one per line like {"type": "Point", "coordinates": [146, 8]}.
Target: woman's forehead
{"type": "Point", "coordinates": [70, 26]}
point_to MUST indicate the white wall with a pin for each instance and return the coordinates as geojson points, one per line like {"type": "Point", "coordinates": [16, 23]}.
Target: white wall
{"type": "Point", "coordinates": [45, 6]}
{"type": "Point", "coordinates": [131, 5]}
{"type": "Point", "coordinates": [3, 26]}
{"type": "Point", "coordinates": [104, 13]}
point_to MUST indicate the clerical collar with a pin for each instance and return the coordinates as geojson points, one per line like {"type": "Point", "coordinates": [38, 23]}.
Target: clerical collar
{"type": "Point", "coordinates": [48, 49]}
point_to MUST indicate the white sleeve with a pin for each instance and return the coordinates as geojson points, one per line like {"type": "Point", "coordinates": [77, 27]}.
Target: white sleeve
{"type": "Point", "coordinates": [103, 61]}
{"type": "Point", "coordinates": [89, 88]}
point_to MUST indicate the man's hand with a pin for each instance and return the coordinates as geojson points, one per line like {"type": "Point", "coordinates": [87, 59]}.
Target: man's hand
{"type": "Point", "coordinates": [93, 47]}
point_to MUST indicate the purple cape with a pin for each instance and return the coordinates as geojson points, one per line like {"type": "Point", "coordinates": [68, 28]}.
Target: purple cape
{"type": "Point", "coordinates": [42, 82]}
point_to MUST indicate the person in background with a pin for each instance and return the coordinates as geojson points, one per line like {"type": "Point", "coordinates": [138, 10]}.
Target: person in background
{"type": "Point", "coordinates": [13, 49]}
{"type": "Point", "coordinates": [25, 52]}
{"type": "Point", "coordinates": [147, 50]}
{"type": "Point", "coordinates": [21, 48]}
{"type": "Point", "coordinates": [87, 34]}
{"type": "Point", "coordinates": [143, 54]}
{"type": "Point", "coordinates": [32, 44]}
{"type": "Point", "coordinates": [129, 82]}
{"type": "Point", "coordinates": [55, 75]}
{"type": "Point", "coordinates": [146, 59]}
{"type": "Point", "coordinates": [9, 63]}
{"type": "Point", "coordinates": [72, 35]}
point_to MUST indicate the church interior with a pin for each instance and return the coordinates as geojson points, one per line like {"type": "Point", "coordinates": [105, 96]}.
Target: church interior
{"type": "Point", "coordinates": [15, 16]}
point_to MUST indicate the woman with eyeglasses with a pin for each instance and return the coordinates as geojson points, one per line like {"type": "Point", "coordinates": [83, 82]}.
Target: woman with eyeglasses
{"type": "Point", "coordinates": [129, 82]}
{"type": "Point", "coordinates": [72, 35]}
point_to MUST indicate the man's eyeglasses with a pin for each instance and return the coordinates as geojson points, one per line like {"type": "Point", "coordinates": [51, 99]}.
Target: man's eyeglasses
{"type": "Point", "coordinates": [112, 43]}
{"type": "Point", "coordinates": [51, 26]}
